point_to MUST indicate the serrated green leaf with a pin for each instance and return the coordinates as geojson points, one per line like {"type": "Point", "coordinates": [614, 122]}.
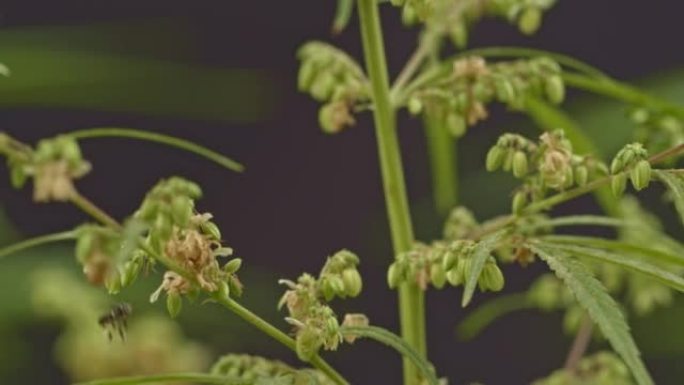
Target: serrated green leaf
{"type": "Point", "coordinates": [675, 184]}
{"type": "Point", "coordinates": [625, 261]}
{"type": "Point", "coordinates": [482, 251]}
{"type": "Point", "coordinates": [602, 309]}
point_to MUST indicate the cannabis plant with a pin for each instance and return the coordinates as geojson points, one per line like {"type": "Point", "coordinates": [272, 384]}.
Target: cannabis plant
{"type": "Point", "coordinates": [594, 280]}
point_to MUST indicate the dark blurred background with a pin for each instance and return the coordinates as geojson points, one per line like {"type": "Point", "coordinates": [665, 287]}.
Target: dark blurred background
{"type": "Point", "coordinates": [223, 73]}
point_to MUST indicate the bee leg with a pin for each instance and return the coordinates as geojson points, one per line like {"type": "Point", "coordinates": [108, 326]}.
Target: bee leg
{"type": "Point", "coordinates": [109, 335]}
{"type": "Point", "coordinates": [122, 333]}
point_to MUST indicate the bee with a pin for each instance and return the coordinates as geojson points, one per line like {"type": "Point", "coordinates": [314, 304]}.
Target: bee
{"type": "Point", "coordinates": [116, 320]}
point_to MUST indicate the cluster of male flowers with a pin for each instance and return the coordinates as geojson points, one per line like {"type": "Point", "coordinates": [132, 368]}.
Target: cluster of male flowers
{"type": "Point", "coordinates": [460, 99]}
{"type": "Point", "coordinates": [657, 130]}
{"type": "Point", "coordinates": [526, 14]}
{"type": "Point", "coordinates": [53, 165]}
{"type": "Point", "coordinates": [166, 228]}
{"type": "Point", "coordinates": [316, 324]}
{"type": "Point", "coordinates": [551, 165]}
{"type": "Point", "coordinates": [257, 370]}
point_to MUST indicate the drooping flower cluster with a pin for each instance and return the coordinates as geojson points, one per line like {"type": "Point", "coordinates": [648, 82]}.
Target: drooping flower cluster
{"type": "Point", "coordinates": [442, 262]}
{"type": "Point", "coordinates": [657, 130]}
{"type": "Point", "coordinates": [315, 323]}
{"type": "Point", "coordinates": [547, 165]}
{"type": "Point", "coordinates": [633, 159]}
{"type": "Point", "coordinates": [460, 98]}
{"type": "Point", "coordinates": [165, 229]}
{"type": "Point", "coordinates": [53, 164]}
{"type": "Point", "coordinates": [331, 76]}
{"type": "Point", "coordinates": [527, 14]}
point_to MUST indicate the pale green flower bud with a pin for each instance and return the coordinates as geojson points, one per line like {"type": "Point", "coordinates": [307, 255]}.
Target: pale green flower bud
{"type": "Point", "coordinates": [519, 202]}
{"type": "Point", "coordinates": [449, 260]}
{"type": "Point", "coordinates": [519, 164]}
{"type": "Point", "coordinates": [174, 304]}
{"type": "Point", "coordinates": [163, 226]}
{"type": "Point", "coordinates": [338, 285]}
{"type": "Point", "coordinates": [352, 282]}
{"type": "Point", "coordinates": [327, 289]}
{"type": "Point", "coordinates": [618, 184]}
{"type": "Point", "coordinates": [555, 89]}
{"type": "Point", "coordinates": [84, 245]}
{"type": "Point", "coordinates": [232, 266]}
{"type": "Point", "coordinates": [495, 158]}
{"type": "Point", "coordinates": [459, 35]}
{"type": "Point", "coordinates": [181, 209]}
{"type": "Point", "coordinates": [456, 124]}
{"type": "Point", "coordinates": [308, 342]}
{"type": "Point", "coordinates": [530, 20]}
{"type": "Point", "coordinates": [581, 175]}
{"type": "Point", "coordinates": [306, 75]}
{"type": "Point", "coordinates": [224, 291]}
{"type": "Point", "coordinates": [415, 106]}
{"type": "Point", "coordinates": [394, 275]}
{"type": "Point", "coordinates": [211, 230]}
{"type": "Point", "coordinates": [641, 175]}
{"type": "Point", "coordinates": [437, 275]}
{"type": "Point", "coordinates": [492, 277]}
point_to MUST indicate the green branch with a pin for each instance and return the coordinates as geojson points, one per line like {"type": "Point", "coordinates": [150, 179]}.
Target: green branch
{"type": "Point", "coordinates": [395, 342]}
{"type": "Point", "coordinates": [37, 241]}
{"type": "Point", "coordinates": [111, 132]}
{"type": "Point", "coordinates": [411, 298]}
{"type": "Point", "coordinates": [200, 378]}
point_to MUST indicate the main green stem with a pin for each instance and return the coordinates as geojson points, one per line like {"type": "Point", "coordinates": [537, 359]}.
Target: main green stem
{"type": "Point", "coordinates": [411, 298]}
{"type": "Point", "coordinates": [442, 150]}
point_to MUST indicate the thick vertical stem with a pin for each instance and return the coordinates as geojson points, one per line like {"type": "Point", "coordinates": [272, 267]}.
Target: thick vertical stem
{"type": "Point", "coordinates": [411, 298]}
{"type": "Point", "coordinates": [442, 151]}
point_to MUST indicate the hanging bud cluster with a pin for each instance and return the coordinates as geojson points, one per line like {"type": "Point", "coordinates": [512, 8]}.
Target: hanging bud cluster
{"type": "Point", "coordinates": [631, 161]}
{"type": "Point", "coordinates": [603, 368]}
{"type": "Point", "coordinates": [96, 250]}
{"type": "Point", "coordinates": [526, 14]}
{"type": "Point", "coordinates": [259, 370]}
{"type": "Point", "coordinates": [441, 263]}
{"type": "Point", "coordinates": [53, 164]}
{"type": "Point", "coordinates": [316, 325]}
{"type": "Point", "coordinates": [460, 224]}
{"type": "Point", "coordinates": [657, 130]}
{"type": "Point", "coordinates": [460, 99]}
{"type": "Point", "coordinates": [549, 164]}
{"type": "Point", "coordinates": [331, 76]}
{"type": "Point", "coordinates": [189, 241]}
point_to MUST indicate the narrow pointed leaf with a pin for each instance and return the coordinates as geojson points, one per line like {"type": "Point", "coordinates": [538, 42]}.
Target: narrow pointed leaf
{"type": "Point", "coordinates": [602, 309]}
{"type": "Point", "coordinates": [482, 251]}
{"type": "Point", "coordinates": [625, 261]}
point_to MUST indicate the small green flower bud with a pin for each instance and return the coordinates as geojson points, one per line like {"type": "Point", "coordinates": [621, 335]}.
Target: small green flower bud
{"type": "Point", "coordinates": [504, 90]}
{"type": "Point", "coordinates": [641, 175]}
{"type": "Point", "coordinates": [397, 3]}
{"type": "Point", "coordinates": [235, 286]}
{"type": "Point", "coordinates": [492, 277]}
{"type": "Point", "coordinates": [174, 304]}
{"type": "Point", "coordinates": [322, 86]}
{"type": "Point", "coordinates": [113, 284]}
{"type": "Point", "coordinates": [352, 282]}
{"type": "Point", "coordinates": [495, 158]}
{"type": "Point", "coordinates": [306, 75]}
{"type": "Point", "coordinates": [555, 89]}
{"type": "Point", "coordinates": [394, 275]}
{"type": "Point", "coordinates": [130, 271]}
{"type": "Point", "coordinates": [617, 164]}
{"type": "Point", "coordinates": [530, 20]}
{"type": "Point", "coordinates": [581, 175]}
{"type": "Point", "coordinates": [456, 124]}
{"type": "Point", "coordinates": [70, 150]}
{"type": "Point", "coordinates": [459, 35]}
{"type": "Point", "coordinates": [415, 106]}
{"type": "Point", "coordinates": [84, 245]}
{"type": "Point", "coordinates": [338, 285]}
{"type": "Point", "coordinates": [163, 227]}
{"type": "Point", "coordinates": [232, 266]}
{"type": "Point", "coordinates": [224, 291]}
{"type": "Point", "coordinates": [449, 260]}
{"type": "Point", "coordinates": [454, 277]}
{"type": "Point", "coordinates": [307, 344]}
{"type": "Point", "coordinates": [408, 15]}
{"type": "Point", "coordinates": [327, 289]}
{"type": "Point", "coordinates": [639, 115]}
{"type": "Point", "coordinates": [326, 119]}
{"type": "Point", "coordinates": [18, 176]}
{"type": "Point", "coordinates": [569, 177]}
{"type": "Point", "coordinates": [618, 184]}
{"type": "Point", "coordinates": [181, 209]}
{"type": "Point", "coordinates": [437, 275]}
{"type": "Point", "coordinates": [519, 202]}
{"type": "Point", "coordinates": [211, 229]}
{"type": "Point", "coordinates": [519, 164]}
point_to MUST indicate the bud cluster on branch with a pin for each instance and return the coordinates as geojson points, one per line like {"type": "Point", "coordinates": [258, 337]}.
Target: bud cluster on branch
{"type": "Point", "coordinates": [258, 370]}
{"type": "Point", "coordinates": [316, 324]}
